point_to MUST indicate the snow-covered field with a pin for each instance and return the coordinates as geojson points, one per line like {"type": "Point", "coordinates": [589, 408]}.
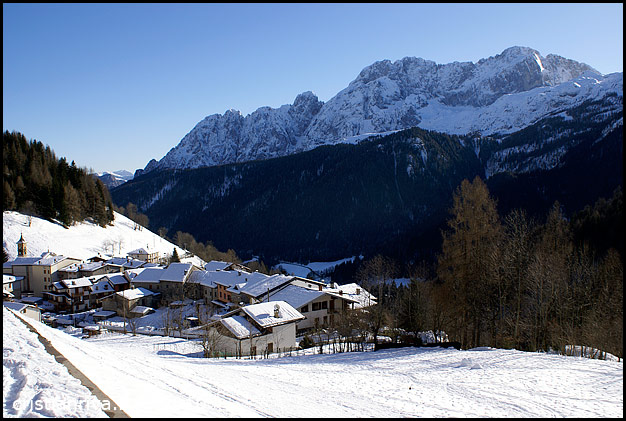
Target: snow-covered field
{"type": "Point", "coordinates": [153, 377]}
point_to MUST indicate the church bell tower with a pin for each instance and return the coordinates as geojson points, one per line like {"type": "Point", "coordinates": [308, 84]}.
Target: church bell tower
{"type": "Point", "coordinates": [21, 247]}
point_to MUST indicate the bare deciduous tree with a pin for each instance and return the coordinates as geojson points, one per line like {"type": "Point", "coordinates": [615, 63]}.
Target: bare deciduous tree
{"type": "Point", "coordinates": [375, 274]}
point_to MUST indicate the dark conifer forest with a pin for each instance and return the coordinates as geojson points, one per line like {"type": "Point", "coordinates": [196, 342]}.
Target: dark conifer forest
{"type": "Point", "coordinates": [36, 182]}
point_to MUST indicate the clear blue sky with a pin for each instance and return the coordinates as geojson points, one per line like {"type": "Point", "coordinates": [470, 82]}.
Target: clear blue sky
{"type": "Point", "coordinates": [112, 86]}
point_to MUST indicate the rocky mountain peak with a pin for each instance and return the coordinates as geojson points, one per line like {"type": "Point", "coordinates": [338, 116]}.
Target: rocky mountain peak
{"type": "Point", "coordinates": [498, 94]}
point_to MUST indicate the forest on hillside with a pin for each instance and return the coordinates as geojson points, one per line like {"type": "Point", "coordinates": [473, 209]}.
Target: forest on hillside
{"type": "Point", "coordinates": [36, 182]}
{"type": "Point", "coordinates": [509, 281]}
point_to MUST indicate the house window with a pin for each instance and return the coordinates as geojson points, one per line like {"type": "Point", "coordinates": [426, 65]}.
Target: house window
{"type": "Point", "coordinates": [304, 309]}
{"type": "Point", "coordinates": [320, 306]}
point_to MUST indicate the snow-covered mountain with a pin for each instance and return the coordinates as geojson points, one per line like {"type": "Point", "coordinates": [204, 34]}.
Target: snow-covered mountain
{"type": "Point", "coordinates": [497, 95]}
{"type": "Point", "coordinates": [115, 178]}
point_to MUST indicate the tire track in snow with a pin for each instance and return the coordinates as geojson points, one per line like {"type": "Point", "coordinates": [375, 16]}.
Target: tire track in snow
{"type": "Point", "coordinates": [244, 402]}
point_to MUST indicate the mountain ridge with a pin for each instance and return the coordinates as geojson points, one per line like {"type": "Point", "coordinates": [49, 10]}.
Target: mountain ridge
{"type": "Point", "coordinates": [386, 194]}
{"type": "Point", "coordinates": [499, 94]}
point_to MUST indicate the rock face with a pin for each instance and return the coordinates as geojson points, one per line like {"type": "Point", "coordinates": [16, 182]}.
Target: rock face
{"type": "Point", "coordinates": [497, 95]}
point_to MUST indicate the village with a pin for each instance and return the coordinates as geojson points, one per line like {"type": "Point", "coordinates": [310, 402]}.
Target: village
{"type": "Point", "coordinates": [231, 309]}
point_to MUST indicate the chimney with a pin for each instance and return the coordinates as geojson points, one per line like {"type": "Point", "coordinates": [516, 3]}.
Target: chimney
{"type": "Point", "coordinates": [276, 311]}
{"type": "Point", "coordinates": [358, 291]}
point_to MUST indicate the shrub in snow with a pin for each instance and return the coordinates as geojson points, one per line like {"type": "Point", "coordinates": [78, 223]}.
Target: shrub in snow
{"type": "Point", "coordinates": [306, 342]}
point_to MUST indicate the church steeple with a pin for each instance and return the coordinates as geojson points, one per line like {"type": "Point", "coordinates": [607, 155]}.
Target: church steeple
{"type": "Point", "coordinates": [21, 247]}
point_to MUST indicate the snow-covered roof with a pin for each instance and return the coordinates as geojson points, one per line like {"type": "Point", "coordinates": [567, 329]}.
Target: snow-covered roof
{"type": "Point", "coordinates": [363, 298]}
{"type": "Point", "coordinates": [126, 262]}
{"type": "Point", "coordinates": [31, 300]}
{"type": "Point", "coordinates": [7, 279]}
{"type": "Point", "coordinates": [236, 288]}
{"type": "Point", "coordinates": [76, 283]}
{"type": "Point", "coordinates": [216, 265]}
{"type": "Point", "coordinates": [219, 304]}
{"type": "Point", "coordinates": [51, 260]}
{"type": "Point", "coordinates": [117, 278]}
{"type": "Point", "coordinates": [24, 260]}
{"type": "Point", "coordinates": [104, 313]}
{"type": "Point", "coordinates": [56, 294]}
{"type": "Point", "coordinates": [150, 265]}
{"type": "Point", "coordinates": [176, 272]}
{"type": "Point", "coordinates": [147, 274]}
{"type": "Point", "coordinates": [240, 327]}
{"type": "Point", "coordinates": [86, 267]}
{"type": "Point", "coordinates": [134, 293]}
{"type": "Point", "coordinates": [17, 306]}
{"type": "Point", "coordinates": [99, 257]}
{"type": "Point", "coordinates": [202, 277]}
{"type": "Point", "coordinates": [141, 250]}
{"type": "Point", "coordinates": [141, 309]}
{"type": "Point", "coordinates": [232, 277]}
{"type": "Point", "coordinates": [101, 285]}
{"type": "Point", "coordinates": [263, 313]}
{"type": "Point", "coordinates": [229, 279]}
{"type": "Point", "coordinates": [260, 286]}
{"type": "Point", "coordinates": [295, 295]}
{"type": "Point", "coordinates": [351, 298]}
{"type": "Point", "coordinates": [71, 268]}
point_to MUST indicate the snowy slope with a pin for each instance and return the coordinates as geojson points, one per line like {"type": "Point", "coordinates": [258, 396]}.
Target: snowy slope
{"type": "Point", "coordinates": [153, 377]}
{"type": "Point", "coordinates": [500, 94]}
{"type": "Point", "coordinates": [82, 240]}
{"type": "Point", "coordinates": [34, 384]}
{"type": "Point", "coordinates": [301, 270]}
